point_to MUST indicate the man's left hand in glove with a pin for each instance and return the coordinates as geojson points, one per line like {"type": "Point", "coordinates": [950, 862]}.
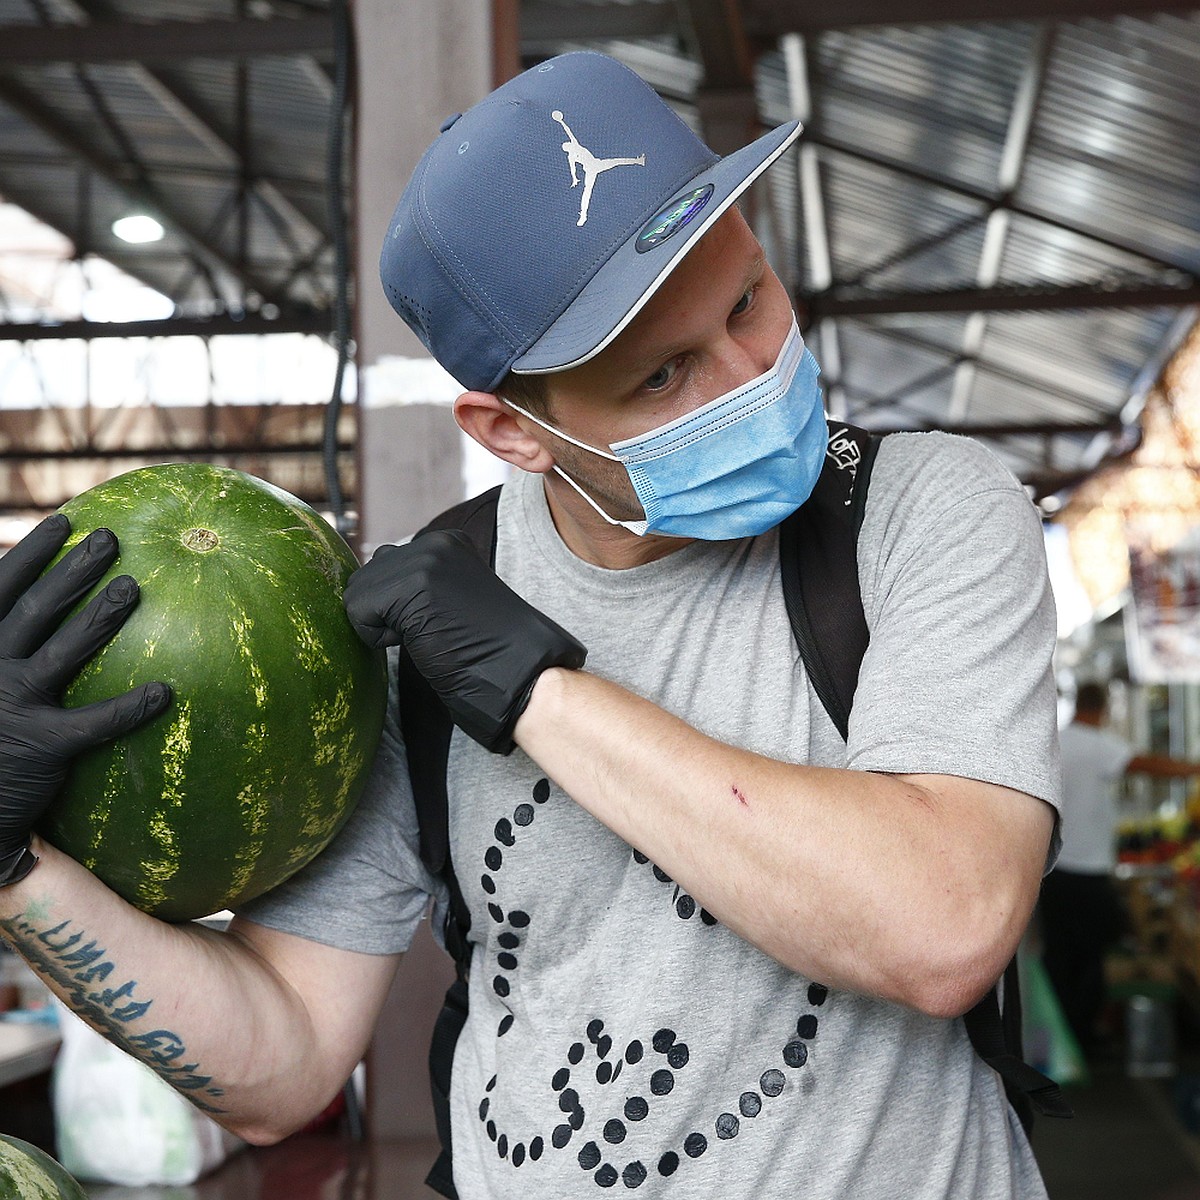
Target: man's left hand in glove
{"type": "Point", "coordinates": [480, 645]}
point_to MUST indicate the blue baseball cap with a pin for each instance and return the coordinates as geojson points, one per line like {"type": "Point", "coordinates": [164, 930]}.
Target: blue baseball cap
{"type": "Point", "coordinates": [541, 220]}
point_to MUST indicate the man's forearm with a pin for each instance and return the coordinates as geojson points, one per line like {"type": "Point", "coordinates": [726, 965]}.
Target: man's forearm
{"type": "Point", "coordinates": [194, 1004]}
{"type": "Point", "coordinates": [914, 889]}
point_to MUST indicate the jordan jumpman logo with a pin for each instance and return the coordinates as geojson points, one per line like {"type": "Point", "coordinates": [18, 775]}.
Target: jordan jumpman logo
{"type": "Point", "coordinates": [581, 158]}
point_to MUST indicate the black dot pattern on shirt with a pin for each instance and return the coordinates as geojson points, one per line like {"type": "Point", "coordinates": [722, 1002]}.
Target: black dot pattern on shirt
{"type": "Point", "coordinates": [493, 858]}
{"type": "Point", "coordinates": [665, 1042]}
{"type": "Point", "coordinates": [684, 905]}
{"type": "Point", "coordinates": [772, 1082]}
{"type": "Point", "coordinates": [795, 1054]}
{"type": "Point", "coordinates": [614, 1132]}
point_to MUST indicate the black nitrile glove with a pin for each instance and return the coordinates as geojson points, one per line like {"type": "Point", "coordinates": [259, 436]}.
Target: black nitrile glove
{"type": "Point", "coordinates": [480, 646]}
{"type": "Point", "coordinates": [38, 737]}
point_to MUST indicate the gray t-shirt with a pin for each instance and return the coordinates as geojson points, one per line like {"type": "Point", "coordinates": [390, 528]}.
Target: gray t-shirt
{"type": "Point", "coordinates": [618, 1034]}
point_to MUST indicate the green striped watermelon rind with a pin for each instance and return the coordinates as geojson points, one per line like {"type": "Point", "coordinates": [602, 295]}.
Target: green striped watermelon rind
{"type": "Point", "coordinates": [278, 706]}
{"type": "Point", "coordinates": [27, 1173]}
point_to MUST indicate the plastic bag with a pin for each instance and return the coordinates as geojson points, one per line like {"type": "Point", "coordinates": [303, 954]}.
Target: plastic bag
{"type": "Point", "coordinates": [116, 1121]}
{"type": "Point", "coordinates": [1050, 1046]}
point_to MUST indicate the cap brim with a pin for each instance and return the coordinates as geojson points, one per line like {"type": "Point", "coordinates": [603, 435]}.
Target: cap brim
{"type": "Point", "coordinates": [617, 292]}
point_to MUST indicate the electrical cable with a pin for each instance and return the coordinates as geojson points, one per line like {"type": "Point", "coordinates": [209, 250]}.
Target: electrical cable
{"type": "Point", "coordinates": [335, 199]}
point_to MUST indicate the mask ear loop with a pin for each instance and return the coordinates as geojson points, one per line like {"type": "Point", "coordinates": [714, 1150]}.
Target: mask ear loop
{"type": "Point", "coordinates": [635, 527]}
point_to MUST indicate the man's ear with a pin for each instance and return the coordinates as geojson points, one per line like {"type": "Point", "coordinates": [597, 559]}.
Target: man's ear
{"type": "Point", "coordinates": [486, 418]}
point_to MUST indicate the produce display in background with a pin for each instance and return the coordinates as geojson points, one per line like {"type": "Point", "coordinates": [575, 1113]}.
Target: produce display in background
{"type": "Point", "coordinates": [277, 709]}
{"type": "Point", "coordinates": [27, 1173]}
{"type": "Point", "coordinates": [1170, 838]}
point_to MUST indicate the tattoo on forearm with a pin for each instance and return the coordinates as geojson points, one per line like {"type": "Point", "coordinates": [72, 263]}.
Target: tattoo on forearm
{"type": "Point", "coordinates": [77, 966]}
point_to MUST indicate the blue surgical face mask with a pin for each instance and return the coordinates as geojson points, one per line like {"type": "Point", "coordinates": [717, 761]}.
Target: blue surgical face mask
{"type": "Point", "coordinates": [734, 467]}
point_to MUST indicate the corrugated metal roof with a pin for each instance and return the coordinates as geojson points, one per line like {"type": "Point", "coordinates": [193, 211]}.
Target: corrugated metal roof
{"type": "Point", "coordinates": [908, 130]}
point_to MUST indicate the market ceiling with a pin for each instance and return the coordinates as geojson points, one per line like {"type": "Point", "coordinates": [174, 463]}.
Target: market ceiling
{"type": "Point", "coordinates": [990, 224]}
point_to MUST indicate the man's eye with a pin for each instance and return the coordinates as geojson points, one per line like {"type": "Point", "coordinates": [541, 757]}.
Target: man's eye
{"type": "Point", "coordinates": [743, 303]}
{"type": "Point", "coordinates": [662, 376]}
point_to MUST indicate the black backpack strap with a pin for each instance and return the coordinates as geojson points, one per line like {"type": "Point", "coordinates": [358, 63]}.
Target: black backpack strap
{"type": "Point", "coordinates": [427, 731]}
{"type": "Point", "coordinates": [818, 550]}
{"type": "Point", "coordinates": [997, 1040]}
{"type": "Point", "coordinates": [819, 565]}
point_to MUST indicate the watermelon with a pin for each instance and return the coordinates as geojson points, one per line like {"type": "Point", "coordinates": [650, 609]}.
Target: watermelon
{"type": "Point", "coordinates": [278, 706]}
{"type": "Point", "coordinates": [27, 1173]}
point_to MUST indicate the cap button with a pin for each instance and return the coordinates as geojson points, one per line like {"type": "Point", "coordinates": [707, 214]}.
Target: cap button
{"type": "Point", "coordinates": [448, 122]}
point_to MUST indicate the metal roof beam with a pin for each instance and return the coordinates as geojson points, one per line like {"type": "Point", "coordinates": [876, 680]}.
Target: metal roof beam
{"type": "Point", "coordinates": [544, 22]}
{"type": "Point", "coordinates": [801, 105]}
{"type": "Point", "coordinates": [773, 18]}
{"type": "Point", "coordinates": [905, 337]}
{"type": "Point", "coordinates": [983, 195]}
{"type": "Point", "coordinates": [1006, 298]}
{"type": "Point", "coordinates": [291, 320]}
{"type": "Point", "coordinates": [163, 89]}
{"type": "Point", "coordinates": [168, 452]}
{"type": "Point", "coordinates": [725, 99]}
{"type": "Point", "coordinates": [27, 104]}
{"type": "Point", "coordinates": [1012, 166]}
{"type": "Point", "coordinates": [164, 41]}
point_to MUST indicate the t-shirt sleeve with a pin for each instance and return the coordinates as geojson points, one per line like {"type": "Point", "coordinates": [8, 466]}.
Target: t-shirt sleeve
{"type": "Point", "coordinates": [368, 889]}
{"type": "Point", "coordinates": [957, 678]}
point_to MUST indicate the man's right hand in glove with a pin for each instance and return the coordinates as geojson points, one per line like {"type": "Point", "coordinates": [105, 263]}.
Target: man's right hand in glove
{"type": "Point", "coordinates": [38, 660]}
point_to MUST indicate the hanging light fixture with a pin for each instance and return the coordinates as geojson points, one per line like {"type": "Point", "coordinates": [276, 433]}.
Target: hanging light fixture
{"type": "Point", "coordinates": [138, 228]}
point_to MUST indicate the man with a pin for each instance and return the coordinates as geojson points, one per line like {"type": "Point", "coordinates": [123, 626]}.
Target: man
{"type": "Point", "coordinates": [1080, 911]}
{"type": "Point", "coordinates": [716, 950]}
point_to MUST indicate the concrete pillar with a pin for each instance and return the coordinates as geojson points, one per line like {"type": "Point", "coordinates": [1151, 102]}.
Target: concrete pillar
{"type": "Point", "coordinates": [418, 62]}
